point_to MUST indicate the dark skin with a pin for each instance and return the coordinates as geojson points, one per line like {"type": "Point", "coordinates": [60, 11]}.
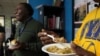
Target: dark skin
{"type": "Point", "coordinates": [80, 51]}
{"type": "Point", "coordinates": [44, 38]}
{"type": "Point", "coordinates": [21, 14]}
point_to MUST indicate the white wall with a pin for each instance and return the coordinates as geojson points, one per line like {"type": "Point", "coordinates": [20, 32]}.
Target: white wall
{"type": "Point", "coordinates": [78, 3]}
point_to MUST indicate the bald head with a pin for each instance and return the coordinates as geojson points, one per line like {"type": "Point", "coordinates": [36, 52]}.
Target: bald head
{"type": "Point", "coordinates": [23, 11]}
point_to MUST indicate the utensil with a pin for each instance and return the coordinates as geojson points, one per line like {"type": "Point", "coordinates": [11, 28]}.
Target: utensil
{"type": "Point", "coordinates": [51, 36]}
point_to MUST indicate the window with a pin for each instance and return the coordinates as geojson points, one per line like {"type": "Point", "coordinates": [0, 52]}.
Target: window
{"type": "Point", "coordinates": [2, 19]}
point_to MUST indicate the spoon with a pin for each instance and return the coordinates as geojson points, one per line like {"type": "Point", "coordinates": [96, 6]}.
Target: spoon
{"type": "Point", "coordinates": [51, 36]}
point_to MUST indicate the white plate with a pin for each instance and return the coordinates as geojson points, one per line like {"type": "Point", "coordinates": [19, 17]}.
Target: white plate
{"type": "Point", "coordinates": [59, 45]}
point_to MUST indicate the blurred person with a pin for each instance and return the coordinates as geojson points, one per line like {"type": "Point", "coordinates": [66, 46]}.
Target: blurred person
{"type": "Point", "coordinates": [2, 37]}
{"type": "Point", "coordinates": [87, 40]}
{"type": "Point", "coordinates": [27, 41]}
{"type": "Point", "coordinates": [13, 30]}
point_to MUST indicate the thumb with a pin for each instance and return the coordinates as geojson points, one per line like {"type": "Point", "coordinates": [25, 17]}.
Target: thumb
{"type": "Point", "coordinates": [43, 30]}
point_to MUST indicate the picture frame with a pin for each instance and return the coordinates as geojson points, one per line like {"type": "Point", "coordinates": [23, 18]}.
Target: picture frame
{"type": "Point", "coordinates": [80, 11]}
{"type": "Point", "coordinates": [80, 8]}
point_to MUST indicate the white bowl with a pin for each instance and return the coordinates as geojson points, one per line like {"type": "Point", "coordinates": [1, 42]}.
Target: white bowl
{"type": "Point", "coordinates": [59, 45]}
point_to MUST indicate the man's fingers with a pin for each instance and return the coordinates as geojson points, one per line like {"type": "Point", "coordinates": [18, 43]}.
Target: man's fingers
{"type": "Point", "coordinates": [45, 38]}
{"type": "Point", "coordinates": [47, 41]}
{"type": "Point", "coordinates": [41, 34]}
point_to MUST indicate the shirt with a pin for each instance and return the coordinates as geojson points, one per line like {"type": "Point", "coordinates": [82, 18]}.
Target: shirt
{"type": "Point", "coordinates": [88, 35]}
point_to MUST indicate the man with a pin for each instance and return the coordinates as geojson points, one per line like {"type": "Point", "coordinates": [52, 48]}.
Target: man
{"type": "Point", "coordinates": [27, 44]}
{"type": "Point", "coordinates": [87, 40]}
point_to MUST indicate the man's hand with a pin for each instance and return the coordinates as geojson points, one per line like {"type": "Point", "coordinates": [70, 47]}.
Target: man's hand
{"type": "Point", "coordinates": [80, 51]}
{"type": "Point", "coordinates": [17, 46]}
{"type": "Point", "coordinates": [44, 38]}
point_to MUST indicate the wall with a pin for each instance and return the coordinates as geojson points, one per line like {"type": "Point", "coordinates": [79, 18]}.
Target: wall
{"type": "Point", "coordinates": [35, 3]}
{"type": "Point", "coordinates": [68, 15]}
{"type": "Point", "coordinates": [7, 7]}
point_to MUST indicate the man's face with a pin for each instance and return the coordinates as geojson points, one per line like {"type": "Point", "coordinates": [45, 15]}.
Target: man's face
{"type": "Point", "coordinates": [97, 0]}
{"type": "Point", "coordinates": [21, 12]}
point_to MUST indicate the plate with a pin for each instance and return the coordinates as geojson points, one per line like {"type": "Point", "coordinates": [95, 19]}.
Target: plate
{"type": "Point", "coordinates": [58, 45]}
